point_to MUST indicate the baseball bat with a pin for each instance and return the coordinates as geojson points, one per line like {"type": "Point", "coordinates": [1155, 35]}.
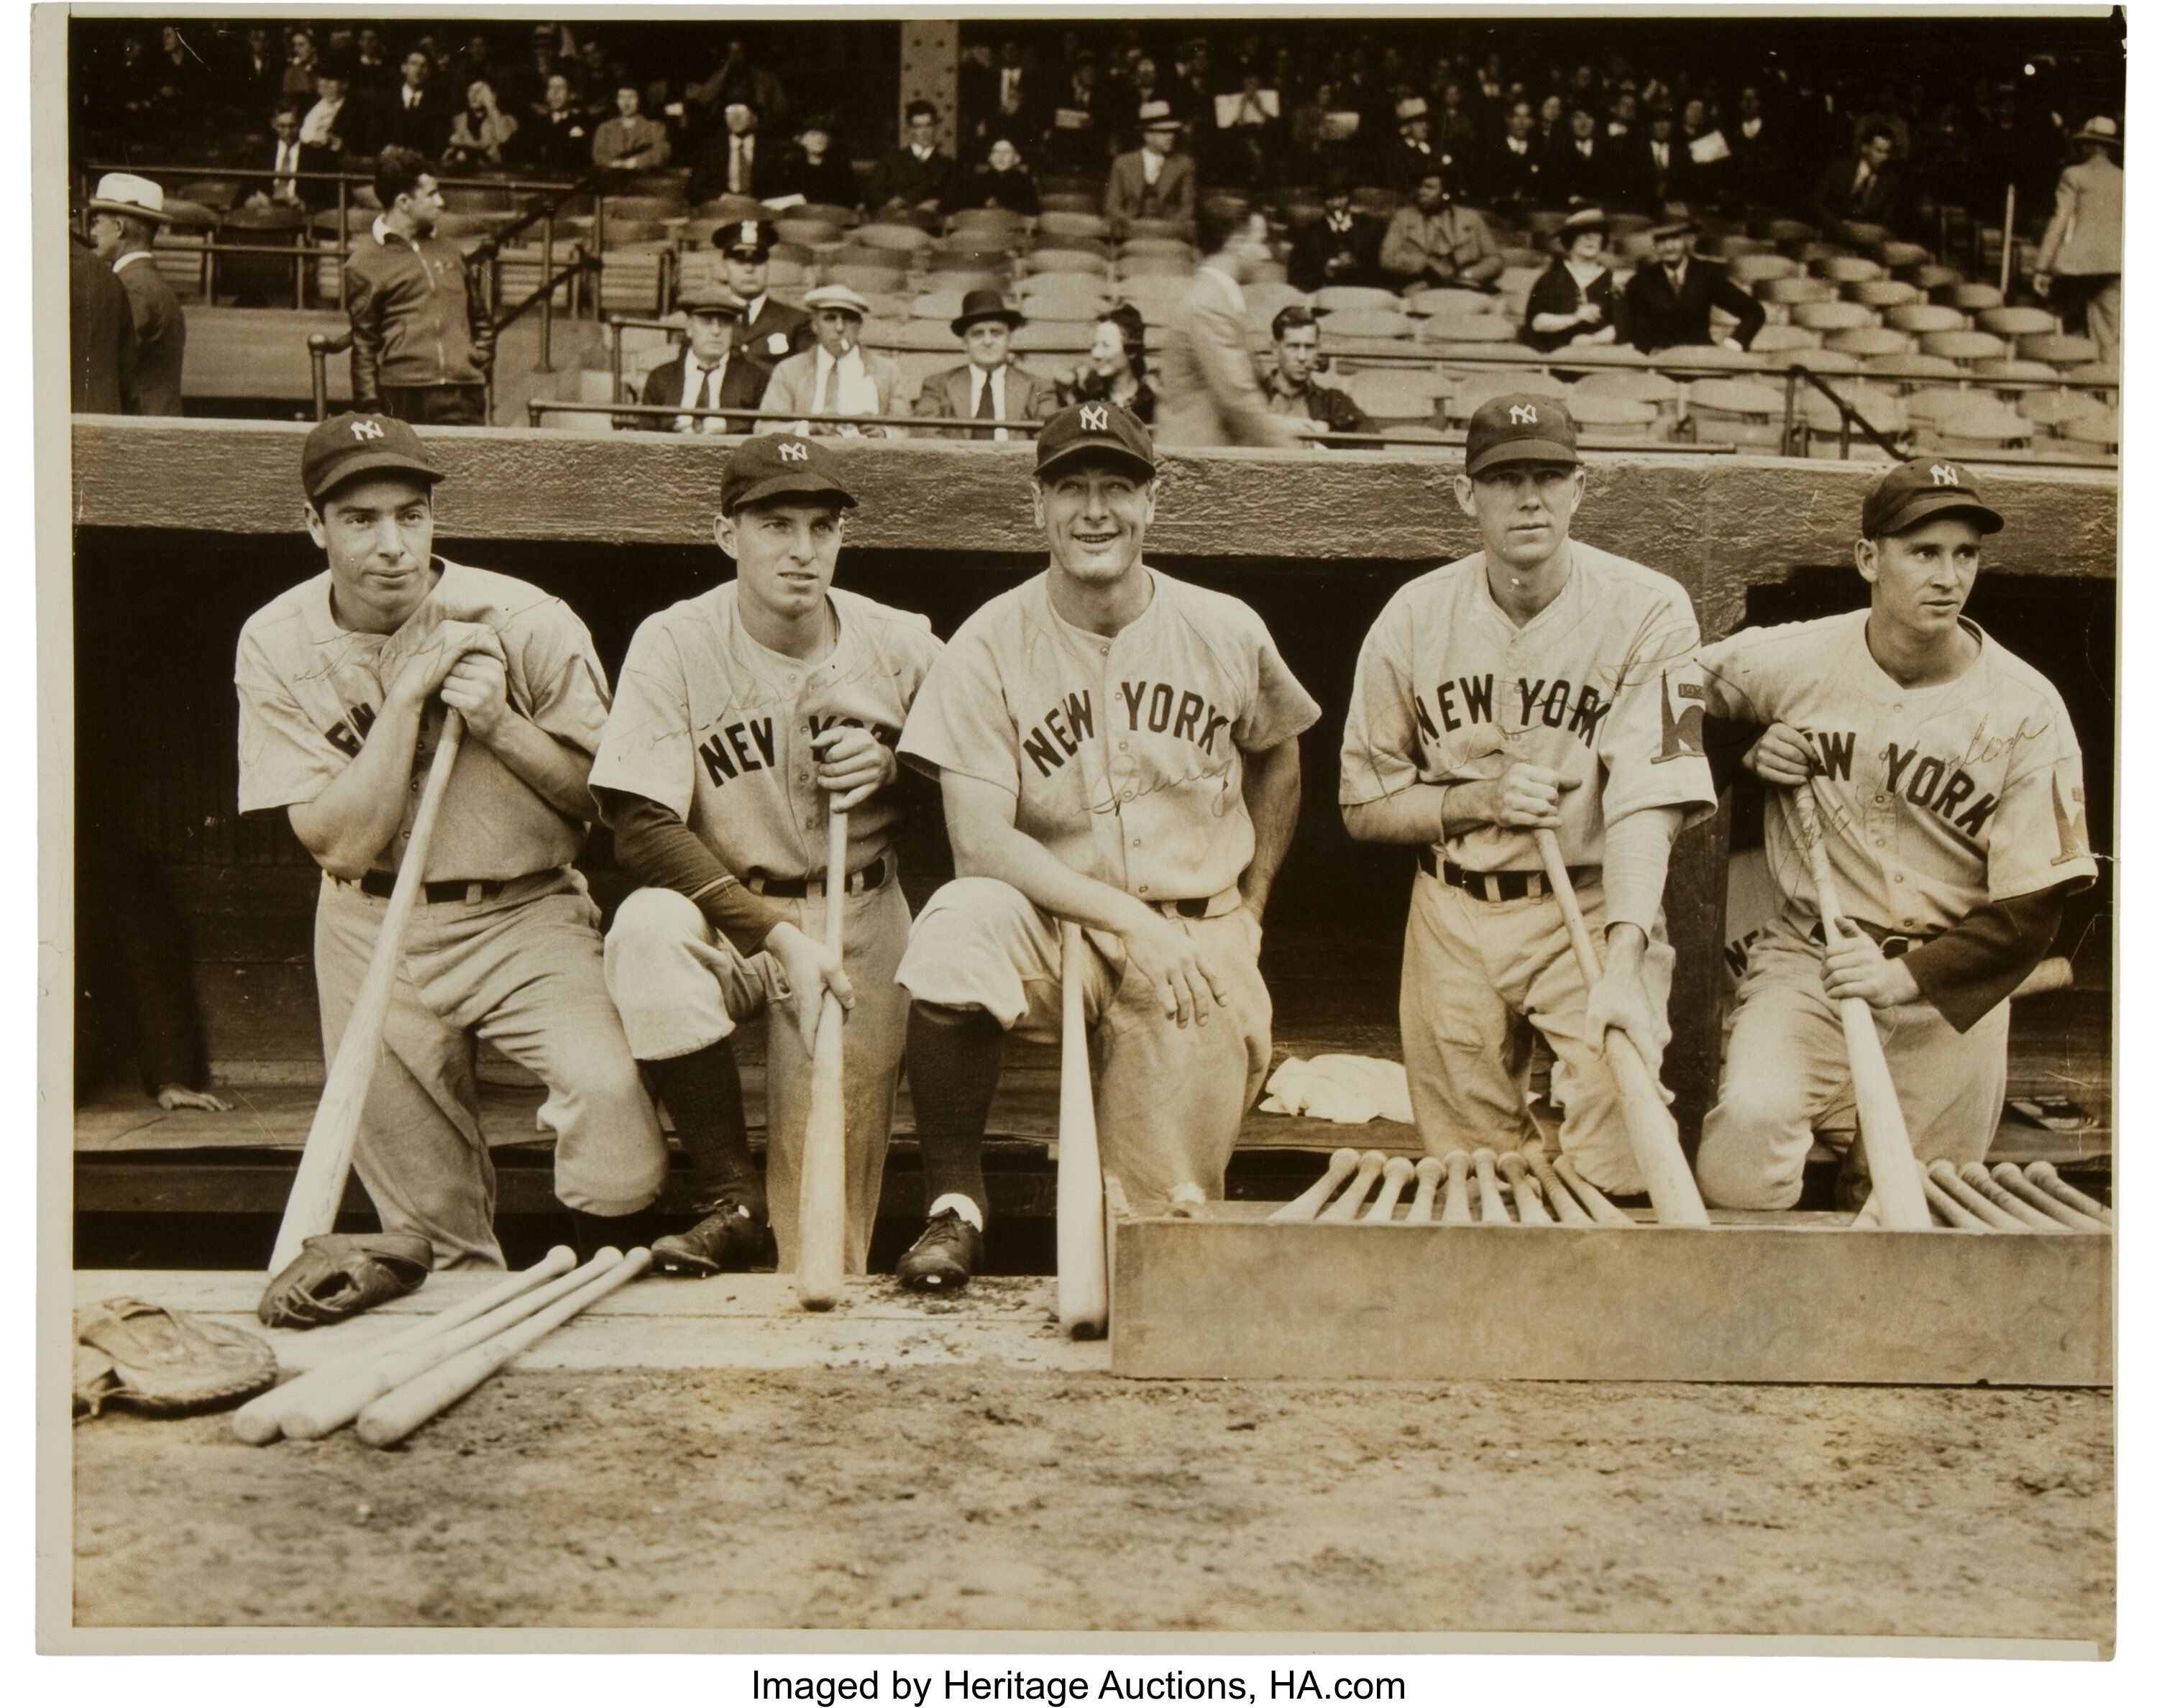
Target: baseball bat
{"type": "Point", "coordinates": [1457, 1212]}
{"type": "Point", "coordinates": [1427, 1173]}
{"type": "Point", "coordinates": [2046, 1178]}
{"type": "Point", "coordinates": [2009, 1176]}
{"type": "Point", "coordinates": [394, 1416]}
{"type": "Point", "coordinates": [1974, 1174]}
{"type": "Point", "coordinates": [1306, 1204]}
{"type": "Point", "coordinates": [1344, 1207]}
{"type": "Point", "coordinates": [1399, 1172]}
{"type": "Point", "coordinates": [1606, 1213]}
{"type": "Point", "coordinates": [262, 1418]}
{"type": "Point", "coordinates": [318, 1188]}
{"type": "Point", "coordinates": [1487, 1197]}
{"type": "Point", "coordinates": [1569, 1209]}
{"type": "Point", "coordinates": [1943, 1174]}
{"type": "Point", "coordinates": [1897, 1183]}
{"type": "Point", "coordinates": [336, 1403]}
{"type": "Point", "coordinates": [1950, 1211]}
{"type": "Point", "coordinates": [1082, 1257]}
{"type": "Point", "coordinates": [1514, 1167]}
{"type": "Point", "coordinates": [821, 1268]}
{"type": "Point", "coordinates": [1648, 1123]}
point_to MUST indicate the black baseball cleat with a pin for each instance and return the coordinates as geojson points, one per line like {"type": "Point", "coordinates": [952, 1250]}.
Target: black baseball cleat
{"type": "Point", "coordinates": [728, 1237]}
{"type": "Point", "coordinates": [943, 1260]}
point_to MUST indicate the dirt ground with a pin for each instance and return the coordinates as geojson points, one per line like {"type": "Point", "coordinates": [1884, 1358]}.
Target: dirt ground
{"type": "Point", "coordinates": [991, 1497]}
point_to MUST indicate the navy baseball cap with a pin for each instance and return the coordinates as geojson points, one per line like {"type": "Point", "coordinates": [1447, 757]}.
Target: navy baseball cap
{"type": "Point", "coordinates": [780, 464]}
{"type": "Point", "coordinates": [350, 445]}
{"type": "Point", "coordinates": [1103, 428]}
{"type": "Point", "coordinates": [1917, 491]}
{"type": "Point", "coordinates": [1520, 427]}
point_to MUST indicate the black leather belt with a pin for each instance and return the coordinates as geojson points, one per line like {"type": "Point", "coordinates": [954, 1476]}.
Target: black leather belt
{"type": "Point", "coordinates": [1893, 944]}
{"type": "Point", "coordinates": [1499, 886]}
{"type": "Point", "coordinates": [870, 877]}
{"type": "Point", "coordinates": [383, 885]}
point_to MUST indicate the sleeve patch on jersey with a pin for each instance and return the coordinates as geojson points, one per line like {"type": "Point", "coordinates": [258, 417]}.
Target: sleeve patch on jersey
{"type": "Point", "coordinates": [1684, 734]}
{"type": "Point", "coordinates": [2073, 820]}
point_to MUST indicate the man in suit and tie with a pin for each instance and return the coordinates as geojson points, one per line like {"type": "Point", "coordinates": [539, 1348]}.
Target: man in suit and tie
{"type": "Point", "coordinates": [124, 216]}
{"type": "Point", "coordinates": [1208, 387]}
{"type": "Point", "coordinates": [1341, 247]}
{"type": "Point", "coordinates": [1864, 188]}
{"type": "Point", "coordinates": [417, 114]}
{"type": "Point", "coordinates": [836, 377]}
{"type": "Point", "coordinates": [1669, 298]}
{"type": "Point", "coordinates": [729, 164]}
{"type": "Point", "coordinates": [988, 385]}
{"type": "Point", "coordinates": [281, 186]}
{"type": "Point", "coordinates": [768, 330]}
{"type": "Point", "coordinates": [916, 177]}
{"type": "Point", "coordinates": [711, 374]}
{"type": "Point", "coordinates": [1153, 181]}
{"type": "Point", "coordinates": [1512, 175]}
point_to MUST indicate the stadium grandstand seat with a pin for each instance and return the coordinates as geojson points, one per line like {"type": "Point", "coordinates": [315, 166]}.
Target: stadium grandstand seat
{"type": "Point", "coordinates": [1001, 220]}
{"type": "Point", "coordinates": [1055, 227]}
{"type": "Point", "coordinates": [1368, 323]}
{"type": "Point", "coordinates": [216, 195]}
{"type": "Point", "coordinates": [1881, 293]}
{"type": "Point", "coordinates": [1471, 391]}
{"type": "Point", "coordinates": [1061, 298]}
{"type": "Point", "coordinates": [1971, 299]}
{"type": "Point", "coordinates": [1130, 266]}
{"type": "Point", "coordinates": [1848, 269]}
{"type": "Point", "coordinates": [964, 282]}
{"type": "Point", "coordinates": [1335, 299]}
{"type": "Point", "coordinates": [2060, 349]}
{"type": "Point", "coordinates": [1056, 203]}
{"type": "Point", "coordinates": [1262, 302]}
{"type": "Point", "coordinates": [2013, 367]}
{"type": "Point", "coordinates": [1750, 270]}
{"type": "Point", "coordinates": [1911, 367]}
{"type": "Point", "coordinates": [1786, 231]}
{"type": "Point", "coordinates": [1881, 408]}
{"type": "Point", "coordinates": [828, 213]}
{"type": "Point", "coordinates": [870, 281]}
{"type": "Point", "coordinates": [1063, 260]}
{"type": "Point", "coordinates": [1896, 256]}
{"type": "Point", "coordinates": [1470, 333]}
{"type": "Point", "coordinates": [1795, 289]}
{"type": "Point", "coordinates": [1074, 335]}
{"type": "Point", "coordinates": [1717, 356]}
{"type": "Point", "coordinates": [921, 334]}
{"type": "Point", "coordinates": [1772, 340]}
{"type": "Point", "coordinates": [631, 234]}
{"type": "Point", "coordinates": [944, 269]}
{"type": "Point", "coordinates": [1642, 385]}
{"type": "Point", "coordinates": [1599, 416]}
{"type": "Point", "coordinates": [1934, 277]}
{"type": "Point", "coordinates": [811, 233]}
{"type": "Point", "coordinates": [483, 199]}
{"type": "Point", "coordinates": [1823, 361]}
{"type": "Point", "coordinates": [999, 241]}
{"type": "Point", "coordinates": [1962, 347]}
{"type": "Point", "coordinates": [889, 308]}
{"type": "Point", "coordinates": [2095, 429]}
{"type": "Point", "coordinates": [1868, 340]}
{"type": "Point", "coordinates": [1969, 423]}
{"type": "Point", "coordinates": [1926, 318]}
{"type": "Point", "coordinates": [2094, 373]}
{"type": "Point", "coordinates": [2050, 409]}
{"type": "Point", "coordinates": [892, 234]}
{"type": "Point", "coordinates": [1177, 229]}
{"type": "Point", "coordinates": [1861, 235]}
{"type": "Point", "coordinates": [1735, 412]}
{"type": "Point", "coordinates": [1832, 316]}
{"type": "Point", "coordinates": [2017, 322]}
{"type": "Point", "coordinates": [940, 304]}
{"type": "Point", "coordinates": [1396, 397]}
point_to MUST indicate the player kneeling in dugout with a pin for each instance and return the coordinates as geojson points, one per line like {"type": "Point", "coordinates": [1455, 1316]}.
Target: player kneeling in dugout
{"type": "Point", "coordinates": [1536, 684]}
{"type": "Point", "coordinates": [746, 716]}
{"type": "Point", "coordinates": [1949, 785]}
{"type": "Point", "coordinates": [1119, 749]}
{"type": "Point", "coordinates": [343, 684]}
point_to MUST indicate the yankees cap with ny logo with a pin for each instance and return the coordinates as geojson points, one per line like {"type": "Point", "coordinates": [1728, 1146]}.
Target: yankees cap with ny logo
{"type": "Point", "coordinates": [346, 446]}
{"type": "Point", "coordinates": [1917, 491]}
{"type": "Point", "coordinates": [1103, 429]}
{"type": "Point", "coordinates": [780, 466]}
{"type": "Point", "coordinates": [1519, 427]}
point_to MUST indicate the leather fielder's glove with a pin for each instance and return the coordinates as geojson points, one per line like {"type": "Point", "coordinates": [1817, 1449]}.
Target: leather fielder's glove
{"type": "Point", "coordinates": [339, 1275]}
{"type": "Point", "coordinates": [130, 1351]}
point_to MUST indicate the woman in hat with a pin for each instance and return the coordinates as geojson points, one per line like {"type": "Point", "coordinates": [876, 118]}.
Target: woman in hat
{"type": "Point", "coordinates": [1576, 300]}
{"type": "Point", "coordinates": [1114, 368]}
{"type": "Point", "coordinates": [814, 169]}
{"type": "Point", "coordinates": [1001, 181]}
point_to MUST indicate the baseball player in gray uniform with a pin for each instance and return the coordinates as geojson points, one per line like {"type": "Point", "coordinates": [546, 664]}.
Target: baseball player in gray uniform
{"type": "Point", "coordinates": [343, 682]}
{"type": "Point", "coordinates": [746, 716]}
{"type": "Point", "coordinates": [1116, 748]}
{"type": "Point", "coordinates": [1538, 683]}
{"type": "Point", "coordinates": [1950, 789]}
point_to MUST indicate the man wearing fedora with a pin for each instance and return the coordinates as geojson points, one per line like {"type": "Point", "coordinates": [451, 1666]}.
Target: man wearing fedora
{"type": "Point", "coordinates": [988, 385]}
{"type": "Point", "coordinates": [768, 330]}
{"type": "Point", "coordinates": [711, 372]}
{"type": "Point", "coordinates": [1668, 299]}
{"type": "Point", "coordinates": [2078, 261]}
{"type": "Point", "coordinates": [1153, 181]}
{"type": "Point", "coordinates": [1342, 247]}
{"type": "Point", "coordinates": [124, 216]}
{"type": "Point", "coordinates": [1435, 241]}
{"type": "Point", "coordinates": [1412, 153]}
{"type": "Point", "coordinates": [836, 377]}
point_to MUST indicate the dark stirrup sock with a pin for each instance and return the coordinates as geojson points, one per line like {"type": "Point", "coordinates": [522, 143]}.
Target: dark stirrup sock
{"type": "Point", "coordinates": [953, 1058]}
{"type": "Point", "coordinates": [703, 1093]}
{"type": "Point", "coordinates": [639, 1227]}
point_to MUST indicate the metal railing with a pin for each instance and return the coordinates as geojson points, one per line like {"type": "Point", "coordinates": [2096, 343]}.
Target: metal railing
{"type": "Point", "coordinates": [942, 426]}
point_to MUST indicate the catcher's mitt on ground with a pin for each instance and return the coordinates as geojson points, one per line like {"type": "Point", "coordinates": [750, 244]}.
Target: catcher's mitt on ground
{"type": "Point", "coordinates": [130, 1351]}
{"type": "Point", "coordinates": [339, 1275]}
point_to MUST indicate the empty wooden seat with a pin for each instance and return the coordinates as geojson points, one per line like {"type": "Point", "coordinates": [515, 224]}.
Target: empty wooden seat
{"type": "Point", "coordinates": [1825, 361]}
{"type": "Point", "coordinates": [870, 281]}
{"type": "Point", "coordinates": [1867, 341]}
{"type": "Point", "coordinates": [1056, 204]}
{"type": "Point", "coordinates": [1131, 266]}
{"type": "Point", "coordinates": [2099, 426]}
{"type": "Point", "coordinates": [1773, 340]}
{"type": "Point", "coordinates": [1074, 335]}
{"type": "Point", "coordinates": [1335, 299]}
{"type": "Point", "coordinates": [1467, 329]}
{"type": "Point", "coordinates": [1368, 323]}
{"type": "Point", "coordinates": [1093, 263]}
{"type": "Point", "coordinates": [1642, 385]}
{"type": "Point", "coordinates": [1962, 347]}
{"type": "Point", "coordinates": [1848, 269]}
{"type": "Point", "coordinates": [2060, 349]}
{"type": "Point", "coordinates": [1880, 407]}
{"type": "Point", "coordinates": [1909, 365]}
{"type": "Point", "coordinates": [2015, 322]}
{"type": "Point", "coordinates": [1925, 317]}
{"type": "Point", "coordinates": [2014, 368]}
{"type": "Point", "coordinates": [1794, 288]}
{"type": "Point", "coordinates": [1471, 391]}
{"type": "Point", "coordinates": [891, 235]}
{"type": "Point", "coordinates": [1832, 316]}
{"type": "Point", "coordinates": [1750, 270]}
{"type": "Point", "coordinates": [1895, 255]}
{"type": "Point", "coordinates": [1602, 415]}
{"type": "Point", "coordinates": [1391, 397]}
{"type": "Point", "coordinates": [1971, 299]}
{"type": "Point", "coordinates": [1933, 276]}
{"type": "Point", "coordinates": [1883, 293]}
{"type": "Point", "coordinates": [811, 233]}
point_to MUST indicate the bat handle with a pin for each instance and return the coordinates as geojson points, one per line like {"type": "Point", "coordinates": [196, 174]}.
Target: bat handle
{"type": "Point", "coordinates": [835, 884]}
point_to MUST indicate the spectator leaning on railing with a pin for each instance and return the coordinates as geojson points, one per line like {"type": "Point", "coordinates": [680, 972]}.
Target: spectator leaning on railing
{"type": "Point", "coordinates": [1294, 390]}
{"type": "Point", "coordinates": [421, 343]}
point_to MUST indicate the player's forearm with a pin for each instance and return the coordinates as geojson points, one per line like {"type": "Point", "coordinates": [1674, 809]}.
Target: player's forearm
{"type": "Point", "coordinates": [1636, 860]}
{"type": "Point", "coordinates": [1002, 851]}
{"type": "Point", "coordinates": [1272, 794]}
{"type": "Point", "coordinates": [558, 773]}
{"type": "Point", "coordinates": [351, 822]}
{"type": "Point", "coordinates": [661, 852]}
{"type": "Point", "coordinates": [1966, 972]}
{"type": "Point", "coordinates": [1418, 816]}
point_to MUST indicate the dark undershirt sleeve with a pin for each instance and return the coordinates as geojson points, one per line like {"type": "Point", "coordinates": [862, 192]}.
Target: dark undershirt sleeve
{"type": "Point", "coordinates": [1968, 972]}
{"type": "Point", "coordinates": [664, 853]}
{"type": "Point", "coordinates": [1727, 741]}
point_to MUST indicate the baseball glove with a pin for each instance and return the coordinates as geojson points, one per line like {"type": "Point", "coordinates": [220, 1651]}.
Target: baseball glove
{"type": "Point", "coordinates": [128, 1350]}
{"type": "Point", "coordinates": [339, 1275]}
